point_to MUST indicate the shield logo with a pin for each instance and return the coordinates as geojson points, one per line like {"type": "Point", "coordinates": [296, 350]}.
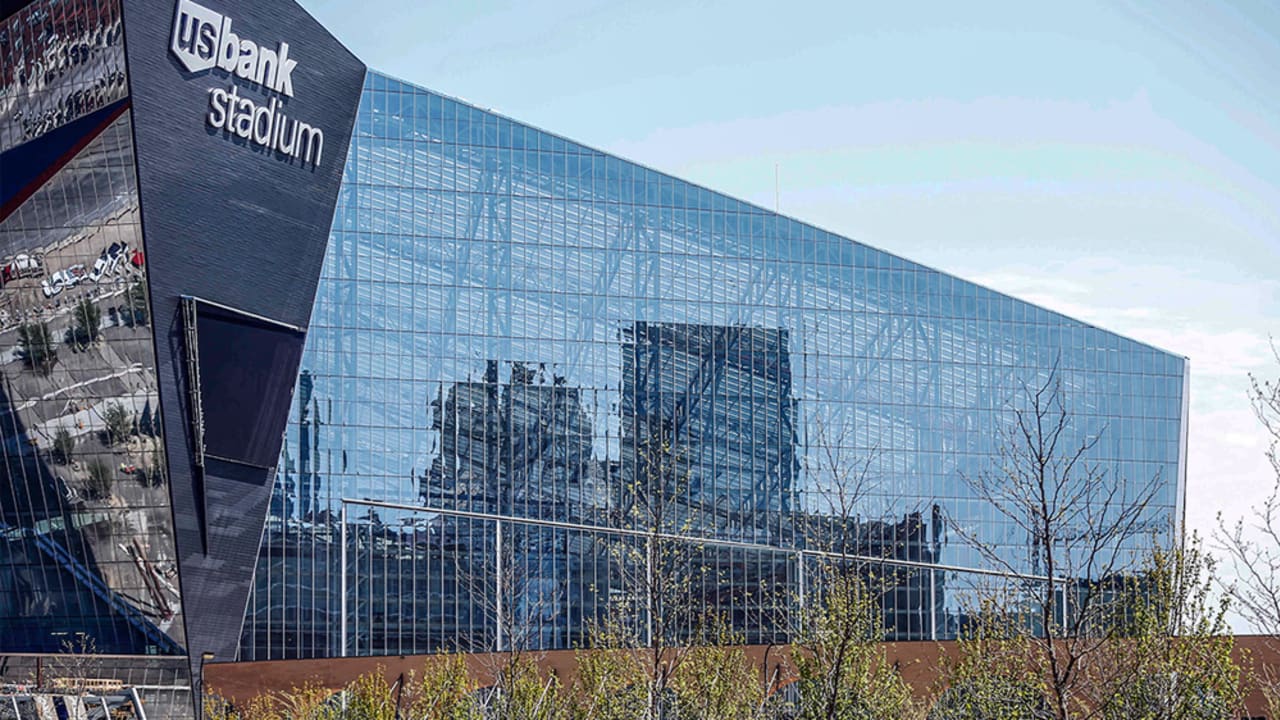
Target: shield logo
{"type": "Point", "coordinates": [195, 35]}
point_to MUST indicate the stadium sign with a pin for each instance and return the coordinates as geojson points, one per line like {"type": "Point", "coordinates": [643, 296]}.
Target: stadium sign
{"type": "Point", "coordinates": [203, 40]}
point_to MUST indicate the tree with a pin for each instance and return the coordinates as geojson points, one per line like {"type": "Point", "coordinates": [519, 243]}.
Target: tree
{"type": "Point", "coordinates": [989, 678]}
{"type": "Point", "coordinates": [1167, 657]}
{"type": "Point", "coordinates": [523, 693]}
{"type": "Point", "coordinates": [155, 467]}
{"type": "Point", "coordinates": [442, 691]}
{"type": "Point", "coordinates": [100, 480]}
{"type": "Point", "coordinates": [657, 613]}
{"type": "Point", "coordinates": [312, 701]}
{"type": "Point", "coordinates": [137, 305]}
{"type": "Point", "coordinates": [509, 590]}
{"type": "Point", "coordinates": [713, 681]}
{"type": "Point", "coordinates": [75, 664]}
{"type": "Point", "coordinates": [36, 344]}
{"type": "Point", "coordinates": [843, 671]}
{"type": "Point", "coordinates": [119, 422]}
{"type": "Point", "coordinates": [610, 685]}
{"type": "Point", "coordinates": [1077, 522]}
{"type": "Point", "coordinates": [1176, 659]}
{"type": "Point", "coordinates": [88, 322]}
{"type": "Point", "coordinates": [369, 697]}
{"type": "Point", "coordinates": [839, 627]}
{"type": "Point", "coordinates": [717, 682]}
{"type": "Point", "coordinates": [1251, 545]}
{"type": "Point", "coordinates": [146, 424]}
{"type": "Point", "coordinates": [64, 446]}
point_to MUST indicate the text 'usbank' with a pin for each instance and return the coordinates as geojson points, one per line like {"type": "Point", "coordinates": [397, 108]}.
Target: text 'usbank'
{"type": "Point", "coordinates": [203, 39]}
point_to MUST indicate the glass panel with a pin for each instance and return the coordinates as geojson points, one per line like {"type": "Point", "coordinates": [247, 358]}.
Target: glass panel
{"type": "Point", "coordinates": [60, 63]}
{"type": "Point", "coordinates": [87, 558]}
{"type": "Point", "coordinates": [554, 339]}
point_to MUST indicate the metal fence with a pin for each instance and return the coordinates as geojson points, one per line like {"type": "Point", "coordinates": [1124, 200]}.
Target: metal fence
{"type": "Point", "coordinates": [429, 579]}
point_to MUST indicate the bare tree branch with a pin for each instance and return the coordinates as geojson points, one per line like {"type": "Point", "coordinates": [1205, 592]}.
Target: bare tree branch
{"type": "Point", "coordinates": [1077, 521]}
{"type": "Point", "coordinates": [1251, 545]}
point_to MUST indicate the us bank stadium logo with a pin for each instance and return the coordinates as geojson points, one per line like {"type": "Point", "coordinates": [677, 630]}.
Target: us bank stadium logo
{"type": "Point", "coordinates": [203, 40]}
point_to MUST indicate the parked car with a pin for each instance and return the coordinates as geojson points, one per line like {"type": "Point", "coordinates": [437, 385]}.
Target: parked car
{"type": "Point", "coordinates": [102, 267]}
{"type": "Point", "coordinates": [66, 278]}
{"type": "Point", "coordinates": [63, 279]}
{"type": "Point", "coordinates": [109, 261]}
{"type": "Point", "coordinates": [118, 254]}
{"type": "Point", "coordinates": [21, 266]}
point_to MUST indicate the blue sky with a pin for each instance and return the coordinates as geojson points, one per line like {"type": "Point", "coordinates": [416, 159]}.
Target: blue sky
{"type": "Point", "coordinates": [1119, 162]}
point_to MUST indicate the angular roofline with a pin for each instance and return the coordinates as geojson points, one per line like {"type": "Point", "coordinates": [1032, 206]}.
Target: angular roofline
{"type": "Point", "coordinates": [372, 71]}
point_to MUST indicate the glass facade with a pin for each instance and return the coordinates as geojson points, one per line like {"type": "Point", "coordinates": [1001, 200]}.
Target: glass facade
{"type": "Point", "coordinates": [87, 559]}
{"type": "Point", "coordinates": [61, 61]}
{"type": "Point", "coordinates": [525, 352]}
{"type": "Point", "coordinates": [538, 382]}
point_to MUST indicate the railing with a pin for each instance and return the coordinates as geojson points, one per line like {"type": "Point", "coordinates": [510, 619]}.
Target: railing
{"type": "Point", "coordinates": [487, 569]}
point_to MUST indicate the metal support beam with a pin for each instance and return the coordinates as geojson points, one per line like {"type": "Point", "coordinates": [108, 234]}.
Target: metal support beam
{"type": "Point", "coordinates": [648, 590]}
{"type": "Point", "coordinates": [603, 530]}
{"type": "Point", "coordinates": [498, 586]}
{"type": "Point", "coordinates": [933, 605]}
{"type": "Point", "coordinates": [192, 345]}
{"type": "Point", "coordinates": [142, 711]}
{"type": "Point", "coordinates": [801, 580]}
{"type": "Point", "coordinates": [342, 580]}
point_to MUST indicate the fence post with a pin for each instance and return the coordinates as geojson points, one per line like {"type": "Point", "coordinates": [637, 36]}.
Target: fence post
{"type": "Point", "coordinates": [933, 605]}
{"type": "Point", "coordinates": [802, 578]}
{"type": "Point", "coordinates": [497, 578]}
{"type": "Point", "coordinates": [342, 581]}
{"type": "Point", "coordinates": [649, 588]}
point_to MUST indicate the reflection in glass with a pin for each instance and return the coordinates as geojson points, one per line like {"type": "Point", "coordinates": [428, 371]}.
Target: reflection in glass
{"type": "Point", "coordinates": [87, 561]}
{"type": "Point", "coordinates": [506, 320]}
{"type": "Point", "coordinates": [60, 60]}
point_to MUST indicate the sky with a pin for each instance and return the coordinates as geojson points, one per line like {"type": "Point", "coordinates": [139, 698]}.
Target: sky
{"type": "Point", "coordinates": [1118, 161]}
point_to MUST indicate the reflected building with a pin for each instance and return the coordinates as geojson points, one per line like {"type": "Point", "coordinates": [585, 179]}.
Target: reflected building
{"type": "Point", "coordinates": [720, 399]}
{"type": "Point", "coordinates": [434, 387]}
{"type": "Point", "coordinates": [88, 562]}
{"type": "Point", "coordinates": [474, 260]}
{"type": "Point", "coordinates": [516, 445]}
{"type": "Point", "coordinates": [913, 594]}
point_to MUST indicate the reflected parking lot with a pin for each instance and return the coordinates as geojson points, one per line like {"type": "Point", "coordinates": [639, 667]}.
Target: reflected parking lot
{"type": "Point", "coordinates": [88, 523]}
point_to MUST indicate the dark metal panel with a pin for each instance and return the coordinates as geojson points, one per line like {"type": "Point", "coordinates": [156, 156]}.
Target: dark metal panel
{"type": "Point", "coordinates": [247, 372]}
{"type": "Point", "coordinates": [235, 223]}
